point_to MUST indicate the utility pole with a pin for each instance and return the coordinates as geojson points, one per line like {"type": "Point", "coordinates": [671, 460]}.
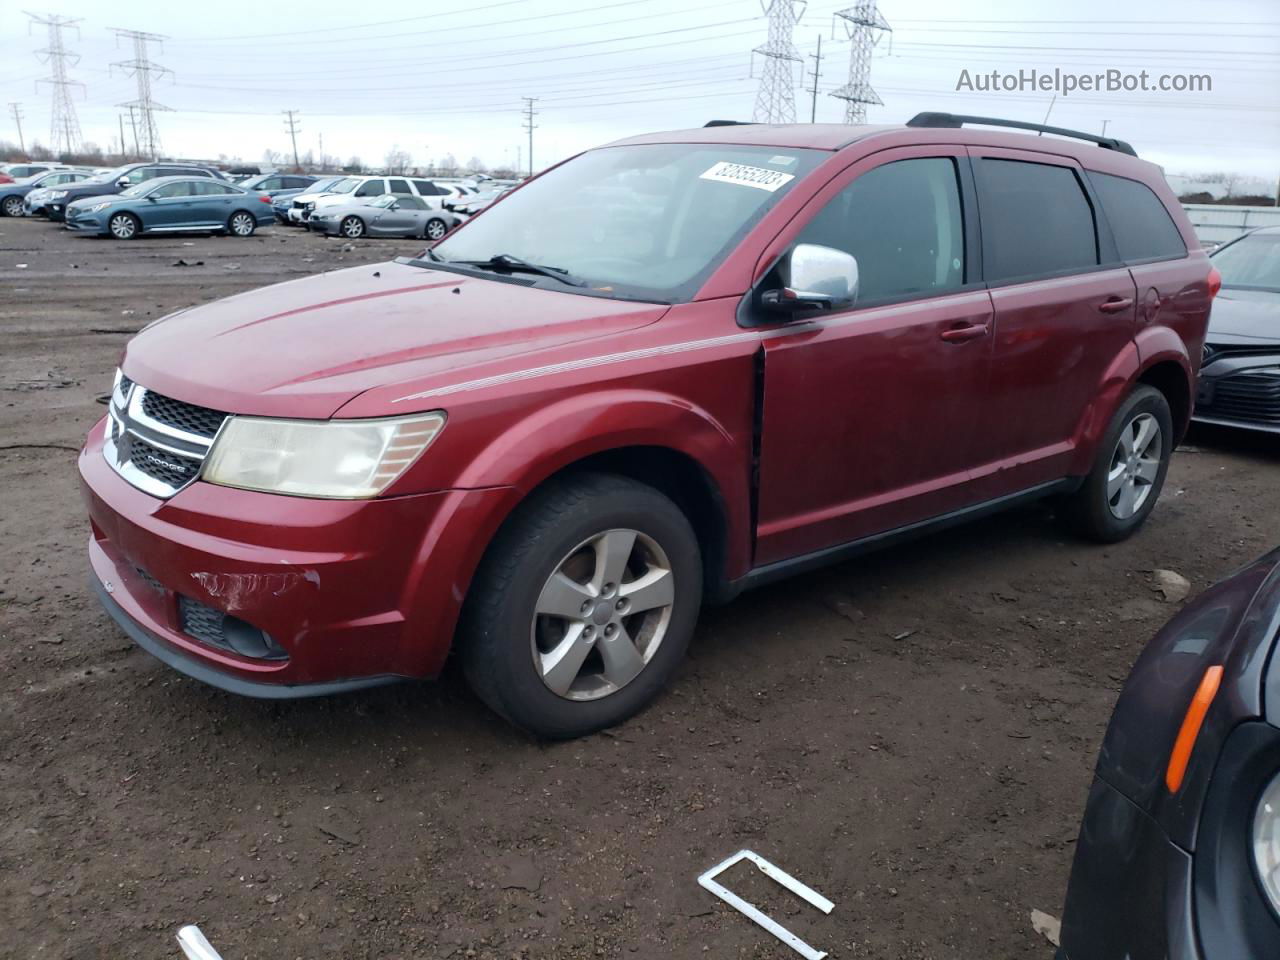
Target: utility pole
{"type": "Point", "coordinates": [529, 114]}
{"type": "Point", "coordinates": [124, 150]}
{"type": "Point", "coordinates": [817, 72]}
{"type": "Point", "coordinates": [65, 128]}
{"type": "Point", "coordinates": [142, 68]}
{"type": "Point", "coordinates": [16, 110]}
{"type": "Point", "coordinates": [292, 126]}
{"type": "Point", "coordinates": [133, 122]}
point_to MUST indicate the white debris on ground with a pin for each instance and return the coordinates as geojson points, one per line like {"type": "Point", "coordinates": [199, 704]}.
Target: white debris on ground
{"type": "Point", "coordinates": [1173, 586]}
{"type": "Point", "coordinates": [1049, 927]}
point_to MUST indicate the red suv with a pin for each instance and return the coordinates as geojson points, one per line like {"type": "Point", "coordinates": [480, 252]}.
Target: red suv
{"type": "Point", "coordinates": [664, 370]}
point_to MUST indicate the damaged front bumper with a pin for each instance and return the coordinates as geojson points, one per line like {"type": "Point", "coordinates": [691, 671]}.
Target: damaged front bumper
{"type": "Point", "coordinates": [277, 596]}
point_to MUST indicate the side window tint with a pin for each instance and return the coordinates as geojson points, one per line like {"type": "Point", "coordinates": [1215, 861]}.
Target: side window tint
{"type": "Point", "coordinates": [1139, 221]}
{"type": "Point", "coordinates": [371, 188]}
{"type": "Point", "coordinates": [1036, 220]}
{"type": "Point", "coordinates": [902, 223]}
{"type": "Point", "coordinates": [399, 186]}
{"type": "Point", "coordinates": [174, 190]}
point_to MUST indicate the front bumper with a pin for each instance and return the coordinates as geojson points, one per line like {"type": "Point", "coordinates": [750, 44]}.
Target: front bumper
{"type": "Point", "coordinates": [1240, 391]}
{"type": "Point", "coordinates": [86, 222]}
{"type": "Point", "coordinates": [354, 592]}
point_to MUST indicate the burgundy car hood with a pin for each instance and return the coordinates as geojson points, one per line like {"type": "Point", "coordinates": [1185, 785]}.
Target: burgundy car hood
{"type": "Point", "coordinates": [306, 347]}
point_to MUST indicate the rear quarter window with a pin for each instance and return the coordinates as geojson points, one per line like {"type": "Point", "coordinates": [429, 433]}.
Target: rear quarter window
{"type": "Point", "coordinates": [1139, 221]}
{"type": "Point", "coordinates": [1036, 220]}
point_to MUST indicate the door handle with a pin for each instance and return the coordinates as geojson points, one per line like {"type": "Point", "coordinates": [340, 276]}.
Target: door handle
{"type": "Point", "coordinates": [1115, 305]}
{"type": "Point", "coordinates": [960, 334]}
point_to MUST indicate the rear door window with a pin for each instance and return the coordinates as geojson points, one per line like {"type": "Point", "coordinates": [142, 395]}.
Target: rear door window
{"type": "Point", "coordinates": [1036, 220]}
{"type": "Point", "coordinates": [427, 189]}
{"type": "Point", "coordinates": [399, 186]}
{"type": "Point", "coordinates": [902, 223]}
{"type": "Point", "coordinates": [1139, 222]}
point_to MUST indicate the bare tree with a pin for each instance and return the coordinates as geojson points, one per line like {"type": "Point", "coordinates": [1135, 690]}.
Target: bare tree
{"type": "Point", "coordinates": [397, 160]}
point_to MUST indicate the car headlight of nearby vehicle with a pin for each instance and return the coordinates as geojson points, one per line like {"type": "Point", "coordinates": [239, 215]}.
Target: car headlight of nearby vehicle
{"type": "Point", "coordinates": [98, 206]}
{"type": "Point", "coordinates": [1266, 841]}
{"type": "Point", "coordinates": [57, 194]}
{"type": "Point", "coordinates": [344, 459]}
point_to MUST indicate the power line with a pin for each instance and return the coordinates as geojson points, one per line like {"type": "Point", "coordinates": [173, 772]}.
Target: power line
{"type": "Point", "coordinates": [141, 68]}
{"type": "Point", "coordinates": [776, 98]}
{"type": "Point", "coordinates": [530, 126]}
{"type": "Point", "coordinates": [16, 110]}
{"type": "Point", "coordinates": [864, 26]}
{"type": "Point", "coordinates": [292, 126]}
{"type": "Point", "coordinates": [64, 134]}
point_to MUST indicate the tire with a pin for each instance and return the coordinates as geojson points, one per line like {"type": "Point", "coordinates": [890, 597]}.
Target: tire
{"type": "Point", "coordinates": [435, 229]}
{"type": "Point", "coordinates": [546, 556]}
{"type": "Point", "coordinates": [352, 227]}
{"type": "Point", "coordinates": [241, 224]}
{"type": "Point", "coordinates": [11, 207]}
{"type": "Point", "coordinates": [124, 226]}
{"type": "Point", "coordinates": [1122, 488]}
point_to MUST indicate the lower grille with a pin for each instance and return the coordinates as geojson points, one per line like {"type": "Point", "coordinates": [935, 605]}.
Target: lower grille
{"type": "Point", "coordinates": [217, 629]}
{"type": "Point", "coordinates": [1246, 396]}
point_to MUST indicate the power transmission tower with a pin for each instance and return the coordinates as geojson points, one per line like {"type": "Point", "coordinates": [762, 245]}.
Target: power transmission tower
{"type": "Point", "coordinates": [817, 72]}
{"type": "Point", "coordinates": [16, 110]}
{"type": "Point", "coordinates": [864, 25]}
{"type": "Point", "coordinates": [292, 126]}
{"type": "Point", "coordinates": [776, 98]}
{"type": "Point", "coordinates": [64, 133]}
{"type": "Point", "coordinates": [529, 125]}
{"type": "Point", "coordinates": [142, 68]}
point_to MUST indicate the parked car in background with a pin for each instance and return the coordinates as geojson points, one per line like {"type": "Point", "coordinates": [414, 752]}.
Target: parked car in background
{"type": "Point", "coordinates": [1179, 850]}
{"type": "Point", "coordinates": [122, 178]}
{"type": "Point", "coordinates": [1240, 370]}
{"type": "Point", "coordinates": [172, 204]}
{"type": "Point", "coordinates": [370, 188]}
{"type": "Point", "coordinates": [20, 171]}
{"type": "Point", "coordinates": [274, 183]}
{"type": "Point", "coordinates": [679, 366]}
{"type": "Point", "coordinates": [282, 201]}
{"type": "Point", "coordinates": [13, 195]}
{"type": "Point", "coordinates": [469, 206]}
{"type": "Point", "coordinates": [385, 216]}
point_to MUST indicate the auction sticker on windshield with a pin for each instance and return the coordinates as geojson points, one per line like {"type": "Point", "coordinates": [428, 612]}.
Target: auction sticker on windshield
{"type": "Point", "coordinates": [745, 176]}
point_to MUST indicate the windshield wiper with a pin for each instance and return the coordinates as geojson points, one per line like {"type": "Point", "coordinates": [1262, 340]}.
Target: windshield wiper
{"type": "Point", "coordinates": [505, 261]}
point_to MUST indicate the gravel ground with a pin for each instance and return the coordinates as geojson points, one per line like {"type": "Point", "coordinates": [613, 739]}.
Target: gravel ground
{"type": "Point", "coordinates": [911, 734]}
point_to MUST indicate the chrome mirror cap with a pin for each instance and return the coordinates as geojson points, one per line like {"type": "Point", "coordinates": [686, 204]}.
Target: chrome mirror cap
{"type": "Point", "coordinates": [818, 278]}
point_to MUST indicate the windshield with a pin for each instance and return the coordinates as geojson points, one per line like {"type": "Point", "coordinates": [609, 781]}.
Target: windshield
{"type": "Point", "coordinates": [321, 186]}
{"type": "Point", "coordinates": [1251, 263]}
{"type": "Point", "coordinates": [385, 200]}
{"type": "Point", "coordinates": [346, 185]}
{"type": "Point", "coordinates": [648, 222]}
{"type": "Point", "coordinates": [138, 189]}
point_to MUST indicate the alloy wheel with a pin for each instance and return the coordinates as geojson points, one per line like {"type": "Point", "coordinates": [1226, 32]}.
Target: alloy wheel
{"type": "Point", "coordinates": [122, 226]}
{"type": "Point", "coordinates": [1135, 465]}
{"type": "Point", "coordinates": [602, 614]}
{"type": "Point", "coordinates": [13, 206]}
{"type": "Point", "coordinates": [353, 227]}
{"type": "Point", "coordinates": [436, 229]}
{"type": "Point", "coordinates": [242, 225]}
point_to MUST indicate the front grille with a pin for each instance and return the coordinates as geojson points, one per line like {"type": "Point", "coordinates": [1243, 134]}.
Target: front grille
{"type": "Point", "coordinates": [125, 384]}
{"type": "Point", "coordinates": [184, 416]}
{"type": "Point", "coordinates": [158, 464]}
{"type": "Point", "coordinates": [217, 629]}
{"type": "Point", "coordinates": [1251, 396]}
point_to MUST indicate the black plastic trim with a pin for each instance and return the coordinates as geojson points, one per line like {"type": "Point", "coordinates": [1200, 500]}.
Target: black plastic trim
{"type": "Point", "coordinates": [223, 681]}
{"type": "Point", "coordinates": [954, 121]}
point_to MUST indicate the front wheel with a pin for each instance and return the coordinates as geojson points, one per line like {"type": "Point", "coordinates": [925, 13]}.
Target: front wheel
{"type": "Point", "coordinates": [352, 227]}
{"type": "Point", "coordinates": [242, 224]}
{"type": "Point", "coordinates": [436, 228]}
{"type": "Point", "coordinates": [583, 606]}
{"type": "Point", "coordinates": [123, 226]}
{"type": "Point", "coordinates": [12, 206]}
{"type": "Point", "coordinates": [1122, 488]}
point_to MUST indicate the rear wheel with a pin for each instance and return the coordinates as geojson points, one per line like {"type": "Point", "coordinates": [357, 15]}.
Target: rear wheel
{"type": "Point", "coordinates": [352, 227]}
{"type": "Point", "coordinates": [242, 224]}
{"type": "Point", "coordinates": [583, 606]}
{"type": "Point", "coordinates": [12, 206]}
{"type": "Point", "coordinates": [1122, 488]}
{"type": "Point", "coordinates": [124, 226]}
{"type": "Point", "coordinates": [436, 228]}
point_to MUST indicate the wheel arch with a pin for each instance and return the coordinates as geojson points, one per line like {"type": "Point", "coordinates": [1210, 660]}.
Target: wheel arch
{"type": "Point", "coordinates": [1170, 377]}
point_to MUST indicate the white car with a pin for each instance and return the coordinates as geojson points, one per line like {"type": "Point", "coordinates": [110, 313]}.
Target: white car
{"type": "Point", "coordinates": [372, 187]}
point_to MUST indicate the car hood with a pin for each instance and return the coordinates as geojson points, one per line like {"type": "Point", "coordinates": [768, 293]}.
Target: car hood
{"type": "Point", "coordinates": [306, 347]}
{"type": "Point", "coordinates": [78, 191]}
{"type": "Point", "coordinates": [1247, 317]}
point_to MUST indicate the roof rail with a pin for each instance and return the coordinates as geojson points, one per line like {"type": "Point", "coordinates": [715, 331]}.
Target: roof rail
{"type": "Point", "coordinates": [932, 119]}
{"type": "Point", "coordinates": [727, 123]}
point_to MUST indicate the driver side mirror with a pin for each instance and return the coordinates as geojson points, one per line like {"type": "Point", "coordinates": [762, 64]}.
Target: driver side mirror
{"type": "Point", "coordinates": [395, 205]}
{"type": "Point", "coordinates": [819, 278]}
{"type": "Point", "coordinates": [122, 182]}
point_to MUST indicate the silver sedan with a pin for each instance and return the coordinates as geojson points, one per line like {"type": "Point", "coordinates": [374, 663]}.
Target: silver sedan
{"type": "Point", "coordinates": [391, 215]}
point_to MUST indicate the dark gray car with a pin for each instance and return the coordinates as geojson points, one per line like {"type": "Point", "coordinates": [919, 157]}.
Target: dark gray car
{"type": "Point", "coordinates": [1240, 372]}
{"type": "Point", "coordinates": [1179, 851]}
{"type": "Point", "coordinates": [386, 216]}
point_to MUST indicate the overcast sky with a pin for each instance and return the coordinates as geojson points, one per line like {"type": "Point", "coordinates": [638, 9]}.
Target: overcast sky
{"type": "Point", "coordinates": [435, 78]}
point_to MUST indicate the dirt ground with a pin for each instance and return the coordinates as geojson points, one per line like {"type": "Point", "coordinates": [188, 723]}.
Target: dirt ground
{"type": "Point", "coordinates": [911, 734]}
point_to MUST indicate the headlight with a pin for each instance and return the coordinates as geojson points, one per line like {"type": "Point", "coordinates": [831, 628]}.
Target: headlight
{"type": "Point", "coordinates": [58, 194]}
{"type": "Point", "coordinates": [345, 459]}
{"type": "Point", "coordinates": [1266, 842]}
{"type": "Point", "coordinates": [96, 207]}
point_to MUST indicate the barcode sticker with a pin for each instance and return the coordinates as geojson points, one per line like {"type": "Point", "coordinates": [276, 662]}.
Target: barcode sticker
{"type": "Point", "coordinates": [745, 176]}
